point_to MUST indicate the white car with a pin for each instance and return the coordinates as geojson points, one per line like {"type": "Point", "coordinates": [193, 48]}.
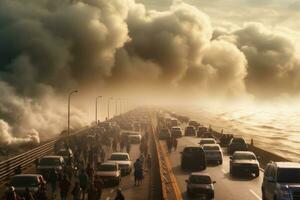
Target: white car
{"type": "Point", "coordinates": [176, 132]}
{"type": "Point", "coordinates": [135, 139]}
{"type": "Point", "coordinates": [213, 153]}
{"type": "Point", "coordinates": [207, 141]}
{"type": "Point", "coordinates": [22, 181]}
{"type": "Point", "coordinates": [123, 160]}
{"type": "Point", "coordinates": [109, 172]}
{"type": "Point", "coordinates": [200, 184]}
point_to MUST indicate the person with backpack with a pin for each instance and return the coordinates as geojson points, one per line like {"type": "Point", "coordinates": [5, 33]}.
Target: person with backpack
{"type": "Point", "coordinates": [76, 191]}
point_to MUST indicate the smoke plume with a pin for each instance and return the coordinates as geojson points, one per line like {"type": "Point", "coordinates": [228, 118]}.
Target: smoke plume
{"type": "Point", "coordinates": [49, 47]}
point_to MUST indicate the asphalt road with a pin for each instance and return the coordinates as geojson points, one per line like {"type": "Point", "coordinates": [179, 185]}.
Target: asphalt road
{"type": "Point", "coordinates": [226, 187]}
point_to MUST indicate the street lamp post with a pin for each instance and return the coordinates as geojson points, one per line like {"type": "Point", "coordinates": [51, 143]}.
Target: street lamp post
{"type": "Point", "coordinates": [120, 106]}
{"type": "Point", "coordinates": [96, 109]}
{"type": "Point", "coordinates": [108, 106]}
{"type": "Point", "coordinates": [69, 102]}
{"type": "Point", "coordinates": [116, 107]}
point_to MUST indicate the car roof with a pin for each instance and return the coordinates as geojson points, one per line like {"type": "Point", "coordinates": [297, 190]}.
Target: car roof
{"type": "Point", "coordinates": [287, 165]}
{"type": "Point", "coordinates": [199, 174]}
{"type": "Point", "coordinates": [120, 153]}
{"type": "Point", "coordinates": [211, 145]}
{"type": "Point", "coordinates": [51, 157]}
{"type": "Point", "coordinates": [207, 139]}
{"type": "Point", "coordinates": [244, 152]}
{"type": "Point", "coordinates": [27, 175]}
{"type": "Point", "coordinates": [109, 163]}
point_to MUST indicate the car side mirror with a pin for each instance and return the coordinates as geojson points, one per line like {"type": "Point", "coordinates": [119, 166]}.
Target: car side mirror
{"type": "Point", "coordinates": [187, 181]}
{"type": "Point", "coordinates": [230, 157]}
{"type": "Point", "coordinates": [214, 182]}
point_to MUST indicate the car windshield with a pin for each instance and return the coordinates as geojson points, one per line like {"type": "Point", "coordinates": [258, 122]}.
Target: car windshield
{"type": "Point", "coordinates": [238, 140]}
{"type": "Point", "coordinates": [200, 179]}
{"type": "Point", "coordinates": [191, 149]}
{"type": "Point", "coordinates": [211, 148]}
{"type": "Point", "coordinates": [288, 175]}
{"type": "Point", "coordinates": [164, 131]}
{"type": "Point", "coordinates": [119, 157]}
{"type": "Point", "coordinates": [49, 161]}
{"type": "Point", "coordinates": [207, 142]}
{"type": "Point", "coordinates": [108, 168]}
{"type": "Point", "coordinates": [244, 156]}
{"type": "Point", "coordinates": [24, 181]}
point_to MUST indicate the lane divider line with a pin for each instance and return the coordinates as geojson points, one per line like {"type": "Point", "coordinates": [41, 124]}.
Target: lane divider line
{"type": "Point", "coordinates": [254, 194]}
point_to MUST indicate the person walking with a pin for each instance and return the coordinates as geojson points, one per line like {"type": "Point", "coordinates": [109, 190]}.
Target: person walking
{"type": "Point", "coordinates": [84, 182]}
{"type": "Point", "coordinates": [169, 144]}
{"type": "Point", "coordinates": [41, 193]}
{"type": "Point", "coordinates": [119, 195]}
{"type": "Point", "coordinates": [53, 178]}
{"type": "Point", "coordinates": [28, 194]}
{"type": "Point", "coordinates": [76, 191]}
{"type": "Point", "coordinates": [175, 143]}
{"type": "Point", "coordinates": [64, 186]}
{"type": "Point", "coordinates": [148, 160]}
{"type": "Point", "coordinates": [128, 147]}
{"type": "Point", "coordinates": [92, 193]}
{"type": "Point", "coordinates": [98, 185]}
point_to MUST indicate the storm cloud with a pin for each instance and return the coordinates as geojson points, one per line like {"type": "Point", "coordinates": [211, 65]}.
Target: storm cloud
{"type": "Point", "coordinates": [49, 47]}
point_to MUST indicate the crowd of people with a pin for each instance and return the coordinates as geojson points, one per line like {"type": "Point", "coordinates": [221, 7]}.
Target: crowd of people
{"type": "Point", "coordinates": [88, 151]}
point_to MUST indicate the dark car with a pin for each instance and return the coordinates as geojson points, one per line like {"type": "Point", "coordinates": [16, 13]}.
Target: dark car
{"type": "Point", "coordinates": [67, 154]}
{"type": "Point", "coordinates": [201, 130]}
{"type": "Point", "coordinates": [176, 132]}
{"type": "Point", "coordinates": [244, 162]}
{"type": "Point", "coordinates": [193, 158]}
{"type": "Point", "coordinates": [49, 163]}
{"type": "Point", "coordinates": [164, 134]}
{"type": "Point", "coordinates": [194, 123]}
{"type": "Point", "coordinates": [237, 144]}
{"type": "Point", "coordinates": [190, 131]}
{"type": "Point", "coordinates": [201, 185]}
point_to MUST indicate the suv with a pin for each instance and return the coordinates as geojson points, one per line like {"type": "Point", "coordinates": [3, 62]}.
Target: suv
{"type": "Point", "coordinates": [244, 162]}
{"type": "Point", "coordinates": [48, 163]}
{"type": "Point", "coordinates": [237, 144]}
{"type": "Point", "coordinates": [123, 160]}
{"type": "Point", "coordinates": [188, 158]}
{"type": "Point", "coordinates": [281, 181]}
{"type": "Point", "coordinates": [190, 131]}
{"type": "Point", "coordinates": [164, 134]}
{"type": "Point", "coordinates": [176, 132]}
{"type": "Point", "coordinates": [109, 172]}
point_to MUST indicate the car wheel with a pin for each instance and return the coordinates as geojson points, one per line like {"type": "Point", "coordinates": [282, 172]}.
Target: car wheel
{"type": "Point", "coordinates": [257, 174]}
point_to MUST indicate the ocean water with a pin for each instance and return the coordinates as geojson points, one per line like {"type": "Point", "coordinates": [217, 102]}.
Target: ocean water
{"type": "Point", "coordinates": [273, 128]}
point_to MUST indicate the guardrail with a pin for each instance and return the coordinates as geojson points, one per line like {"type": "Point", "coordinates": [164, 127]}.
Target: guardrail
{"type": "Point", "coordinates": [7, 167]}
{"type": "Point", "coordinates": [170, 189]}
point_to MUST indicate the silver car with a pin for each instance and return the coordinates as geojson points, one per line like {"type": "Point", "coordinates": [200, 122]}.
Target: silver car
{"type": "Point", "coordinates": [109, 172]}
{"type": "Point", "coordinates": [213, 153]}
{"type": "Point", "coordinates": [123, 160]}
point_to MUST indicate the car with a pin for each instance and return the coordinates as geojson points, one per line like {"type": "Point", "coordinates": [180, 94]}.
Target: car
{"type": "Point", "coordinates": [190, 131]}
{"type": "Point", "coordinates": [22, 181]}
{"type": "Point", "coordinates": [109, 172]}
{"type": "Point", "coordinates": [281, 181]}
{"type": "Point", "coordinates": [164, 134]}
{"type": "Point", "coordinates": [200, 184]}
{"type": "Point", "coordinates": [174, 122]}
{"type": "Point", "coordinates": [123, 160]}
{"type": "Point", "coordinates": [135, 139]}
{"type": "Point", "coordinates": [188, 160]}
{"type": "Point", "coordinates": [237, 144]}
{"type": "Point", "coordinates": [194, 123]}
{"type": "Point", "coordinates": [207, 141]}
{"type": "Point", "coordinates": [201, 130]}
{"type": "Point", "coordinates": [213, 153]}
{"type": "Point", "coordinates": [67, 154]}
{"type": "Point", "coordinates": [176, 132]}
{"type": "Point", "coordinates": [244, 162]}
{"type": "Point", "coordinates": [48, 163]}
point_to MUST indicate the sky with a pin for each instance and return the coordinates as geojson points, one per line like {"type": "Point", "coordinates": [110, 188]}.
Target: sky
{"type": "Point", "coordinates": [151, 50]}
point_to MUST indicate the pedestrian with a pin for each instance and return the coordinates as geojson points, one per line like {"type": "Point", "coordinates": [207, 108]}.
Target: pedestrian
{"type": "Point", "coordinates": [18, 169]}
{"type": "Point", "coordinates": [119, 195]}
{"type": "Point", "coordinates": [90, 171]}
{"type": "Point", "coordinates": [53, 178]}
{"type": "Point", "coordinates": [76, 191]}
{"type": "Point", "coordinates": [83, 181]}
{"type": "Point", "coordinates": [10, 193]}
{"type": "Point", "coordinates": [99, 185]}
{"type": "Point", "coordinates": [148, 161]}
{"type": "Point", "coordinates": [138, 170]}
{"type": "Point", "coordinates": [175, 142]}
{"type": "Point", "coordinates": [28, 194]}
{"type": "Point", "coordinates": [41, 193]}
{"type": "Point", "coordinates": [92, 193]}
{"type": "Point", "coordinates": [128, 147]}
{"type": "Point", "coordinates": [64, 186]}
{"type": "Point", "coordinates": [169, 144]}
